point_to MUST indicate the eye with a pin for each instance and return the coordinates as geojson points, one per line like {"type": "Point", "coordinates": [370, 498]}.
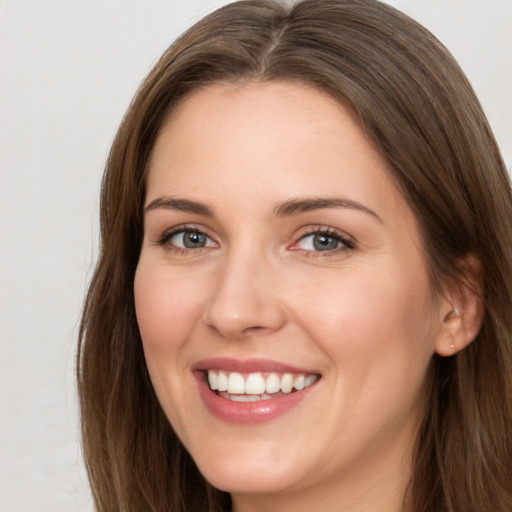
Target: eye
{"type": "Point", "coordinates": [323, 241]}
{"type": "Point", "coordinates": [187, 239]}
{"type": "Point", "coordinates": [191, 240]}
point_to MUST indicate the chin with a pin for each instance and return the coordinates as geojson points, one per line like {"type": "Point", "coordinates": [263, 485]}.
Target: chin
{"type": "Point", "coordinates": [240, 471]}
{"type": "Point", "coordinates": [253, 481]}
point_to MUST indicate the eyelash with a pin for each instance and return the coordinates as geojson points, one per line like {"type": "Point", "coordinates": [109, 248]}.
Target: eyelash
{"type": "Point", "coordinates": [181, 251]}
{"type": "Point", "coordinates": [345, 242]}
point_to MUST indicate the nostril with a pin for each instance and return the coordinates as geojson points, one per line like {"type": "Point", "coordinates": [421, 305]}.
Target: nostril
{"type": "Point", "coordinates": [257, 329]}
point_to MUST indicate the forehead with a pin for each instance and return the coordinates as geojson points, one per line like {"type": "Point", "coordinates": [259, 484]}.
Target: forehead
{"type": "Point", "coordinates": [279, 138]}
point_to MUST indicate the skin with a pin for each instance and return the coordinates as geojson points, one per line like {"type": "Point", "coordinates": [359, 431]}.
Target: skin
{"type": "Point", "coordinates": [361, 315]}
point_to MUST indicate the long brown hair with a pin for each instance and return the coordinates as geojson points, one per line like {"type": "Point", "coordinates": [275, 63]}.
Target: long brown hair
{"type": "Point", "coordinates": [416, 105]}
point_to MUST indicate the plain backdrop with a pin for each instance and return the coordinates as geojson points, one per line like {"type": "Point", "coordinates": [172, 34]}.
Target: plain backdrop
{"type": "Point", "coordinates": [67, 73]}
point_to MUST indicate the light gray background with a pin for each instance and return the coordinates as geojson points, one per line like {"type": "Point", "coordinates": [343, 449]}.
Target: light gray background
{"type": "Point", "coordinates": [68, 71]}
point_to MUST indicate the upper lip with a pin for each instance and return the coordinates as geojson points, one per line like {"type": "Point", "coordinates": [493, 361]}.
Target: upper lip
{"type": "Point", "coordinates": [247, 366]}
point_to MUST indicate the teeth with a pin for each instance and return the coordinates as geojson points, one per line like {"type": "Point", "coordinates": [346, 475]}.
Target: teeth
{"type": "Point", "coordinates": [213, 380]}
{"type": "Point", "coordinates": [222, 381]}
{"type": "Point", "coordinates": [273, 384]}
{"type": "Point", "coordinates": [310, 379]}
{"type": "Point", "coordinates": [244, 398]}
{"type": "Point", "coordinates": [236, 384]}
{"type": "Point", "coordinates": [299, 382]}
{"type": "Point", "coordinates": [256, 385]}
{"type": "Point", "coordinates": [287, 383]}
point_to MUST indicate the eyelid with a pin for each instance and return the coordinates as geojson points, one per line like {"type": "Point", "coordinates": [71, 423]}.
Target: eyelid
{"type": "Point", "coordinates": [348, 242]}
{"type": "Point", "coordinates": [167, 234]}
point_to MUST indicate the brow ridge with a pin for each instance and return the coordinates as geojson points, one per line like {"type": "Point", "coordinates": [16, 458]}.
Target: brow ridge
{"type": "Point", "coordinates": [285, 209]}
{"type": "Point", "coordinates": [299, 206]}
{"type": "Point", "coordinates": [182, 205]}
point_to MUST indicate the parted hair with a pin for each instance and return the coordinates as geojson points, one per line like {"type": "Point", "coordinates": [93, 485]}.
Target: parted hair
{"type": "Point", "coordinates": [417, 107]}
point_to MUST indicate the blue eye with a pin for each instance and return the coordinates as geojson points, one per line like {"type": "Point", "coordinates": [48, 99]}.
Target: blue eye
{"type": "Point", "coordinates": [190, 239]}
{"type": "Point", "coordinates": [323, 242]}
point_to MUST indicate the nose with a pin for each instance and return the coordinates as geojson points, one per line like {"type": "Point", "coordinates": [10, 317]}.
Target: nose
{"type": "Point", "coordinates": [245, 299]}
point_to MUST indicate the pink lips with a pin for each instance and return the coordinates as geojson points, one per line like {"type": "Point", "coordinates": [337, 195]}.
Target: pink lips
{"type": "Point", "coordinates": [247, 412]}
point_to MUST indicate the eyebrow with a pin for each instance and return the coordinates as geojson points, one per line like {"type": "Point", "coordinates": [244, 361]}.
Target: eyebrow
{"type": "Point", "coordinates": [298, 206]}
{"type": "Point", "coordinates": [182, 205]}
{"type": "Point", "coordinates": [285, 209]}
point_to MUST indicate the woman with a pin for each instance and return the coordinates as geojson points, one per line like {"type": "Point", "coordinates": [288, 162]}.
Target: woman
{"type": "Point", "coordinates": [302, 297]}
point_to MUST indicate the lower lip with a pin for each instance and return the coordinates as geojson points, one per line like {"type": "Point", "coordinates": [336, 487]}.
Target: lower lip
{"type": "Point", "coordinates": [248, 412]}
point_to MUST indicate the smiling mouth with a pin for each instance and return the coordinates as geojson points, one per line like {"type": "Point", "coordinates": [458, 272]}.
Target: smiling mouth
{"type": "Point", "coordinates": [252, 387]}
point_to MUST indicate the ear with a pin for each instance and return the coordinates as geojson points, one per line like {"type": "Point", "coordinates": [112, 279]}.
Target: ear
{"type": "Point", "coordinates": [461, 309]}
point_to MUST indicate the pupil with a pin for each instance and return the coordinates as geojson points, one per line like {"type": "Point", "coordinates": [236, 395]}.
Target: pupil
{"type": "Point", "coordinates": [193, 239]}
{"type": "Point", "coordinates": [325, 243]}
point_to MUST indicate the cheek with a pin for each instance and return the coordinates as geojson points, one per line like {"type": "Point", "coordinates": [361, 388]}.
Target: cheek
{"type": "Point", "coordinates": [167, 307]}
{"type": "Point", "coordinates": [369, 317]}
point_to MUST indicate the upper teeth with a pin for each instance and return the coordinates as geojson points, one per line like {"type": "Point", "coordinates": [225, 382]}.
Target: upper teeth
{"type": "Point", "coordinates": [256, 383]}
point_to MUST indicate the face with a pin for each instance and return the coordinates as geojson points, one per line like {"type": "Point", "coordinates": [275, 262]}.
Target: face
{"type": "Point", "coordinates": [282, 268]}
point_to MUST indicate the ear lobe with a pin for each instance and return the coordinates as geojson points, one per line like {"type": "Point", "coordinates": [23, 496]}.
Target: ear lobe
{"type": "Point", "coordinates": [463, 309]}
